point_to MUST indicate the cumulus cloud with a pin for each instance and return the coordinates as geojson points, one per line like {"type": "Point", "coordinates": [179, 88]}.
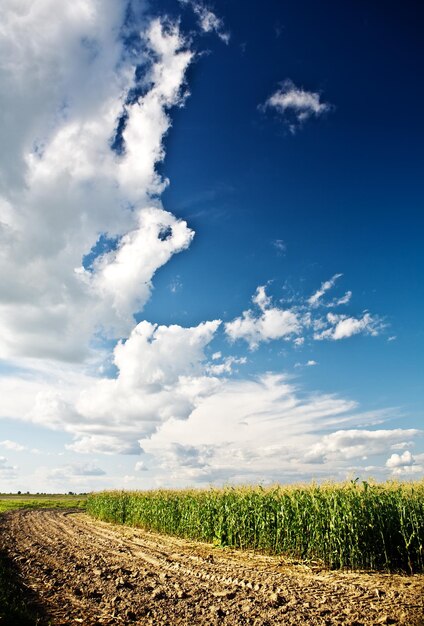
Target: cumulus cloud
{"type": "Point", "coordinates": [405, 463]}
{"type": "Point", "coordinates": [162, 374]}
{"type": "Point", "coordinates": [342, 326]}
{"type": "Point", "coordinates": [296, 105]}
{"type": "Point", "coordinates": [271, 323]}
{"type": "Point", "coordinates": [400, 460]}
{"type": "Point", "coordinates": [123, 277]}
{"type": "Point", "coordinates": [81, 224]}
{"type": "Point", "coordinates": [63, 186]}
{"type": "Point", "coordinates": [41, 68]}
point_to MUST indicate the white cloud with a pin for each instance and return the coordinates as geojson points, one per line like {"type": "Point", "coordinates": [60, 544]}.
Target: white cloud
{"type": "Point", "coordinates": [175, 285]}
{"type": "Point", "coordinates": [266, 430]}
{"type": "Point", "coordinates": [296, 105]}
{"type": "Point", "coordinates": [95, 443]}
{"type": "Point", "coordinates": [147, 118]}
{"type": "Point", "coordinates": [405, 463]}
{"type": "Point", "coordinates": [261, 299]}
{"type": "Point", "coordinates": [272, 322]}
{"type": "Point", "coordinates": [140, 466]}
{"type": "Point", "coordinates": [342, 326]}
{"type": "Point", "coordinates": [402, 445]}
{"type": "Point", "coordinates": [344, 299]}
{"type": "Point", "coordinates": [227, 365]}
{"type": "Point", "coordinates": [315, 299]}
{"type": "Point", "coordinates": [356, 443]}
{"type": "Point", "coordinates": [310, 363]}
{"type": "Point", "coordinates": [208, 21]}
{"type": "Point", "coordinates": [12, 445]}
{"type": "Point", "coordinates": [7, 471]}
{"type": "Point", "coordinates": [399, 460]}
{"type": "Point", "coordinates": [123, 277]}
{"type": "Point", "coordinates": [62, 186]}
{"type": "Point", "coordinates": [162, 375]}
{"type": "Point", "coordinates": [280, 246]}
{"type": "Point", "coordinates": [75, 470]}
{"type": "Point", "coordinates": [47, 51]}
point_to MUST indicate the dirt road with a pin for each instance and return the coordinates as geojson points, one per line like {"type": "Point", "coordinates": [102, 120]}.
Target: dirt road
{"type": "Point", "coordinates": [88, 572]}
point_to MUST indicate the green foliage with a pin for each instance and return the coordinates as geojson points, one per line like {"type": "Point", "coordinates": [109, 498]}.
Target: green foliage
{"type": "Point", "coordinates": [38, 501]}
{"type": "Point", "coordinates": [351, 525]}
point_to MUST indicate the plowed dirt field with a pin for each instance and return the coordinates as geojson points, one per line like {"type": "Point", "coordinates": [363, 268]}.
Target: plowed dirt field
{"type": "Point", "coordinates": [88, 572]}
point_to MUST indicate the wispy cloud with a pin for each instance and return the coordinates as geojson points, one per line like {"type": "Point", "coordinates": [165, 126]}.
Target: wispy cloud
{"type": "Point", "coordinates": [75, 470]}
{"type": "Point", "coordinates": [267, 429]}
{"type": "Point", "coordinates": [175, 285]}
{"type": "Point", "coordinates": [7, 471]}
{"type": "Point", "coordinates": [310, 363]}
{"type": "Point", "coordinates": [208, 20]}
{"type": "Point", "coordinates": [279, 246]}
{"type": "Point", "coordinates": [12, 445]}
{"type": "Point", "coordinates": [315, 299]}
{"type": "Point", "coordinates": [296, 105]}
{"type": "Point", "coordinates": [227, 366]}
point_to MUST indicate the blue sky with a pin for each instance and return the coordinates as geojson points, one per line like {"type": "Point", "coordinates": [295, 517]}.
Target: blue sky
{"type": "Point", "coordinates": [211, 225]}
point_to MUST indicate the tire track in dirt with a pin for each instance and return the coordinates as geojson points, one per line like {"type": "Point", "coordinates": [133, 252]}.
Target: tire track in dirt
{"type": "Point", "coordinates": [90, 572]}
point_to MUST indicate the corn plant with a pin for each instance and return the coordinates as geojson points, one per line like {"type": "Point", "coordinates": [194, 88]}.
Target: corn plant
{"type": "Point", "coordinates": [349, 525]}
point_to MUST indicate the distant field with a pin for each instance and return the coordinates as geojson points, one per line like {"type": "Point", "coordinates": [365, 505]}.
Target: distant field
{"type": "Point", "coordinates": [40, 501]}
{"type": "Point", "coordinates": [351, 525]}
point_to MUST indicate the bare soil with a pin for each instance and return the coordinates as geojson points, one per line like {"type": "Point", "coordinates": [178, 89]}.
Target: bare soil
{"type": "Point", "coordinates": [89, 572]}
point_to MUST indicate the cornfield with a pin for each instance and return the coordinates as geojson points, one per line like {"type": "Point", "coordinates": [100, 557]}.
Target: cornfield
{"type": "Point", "coordinates": [350, 525]}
